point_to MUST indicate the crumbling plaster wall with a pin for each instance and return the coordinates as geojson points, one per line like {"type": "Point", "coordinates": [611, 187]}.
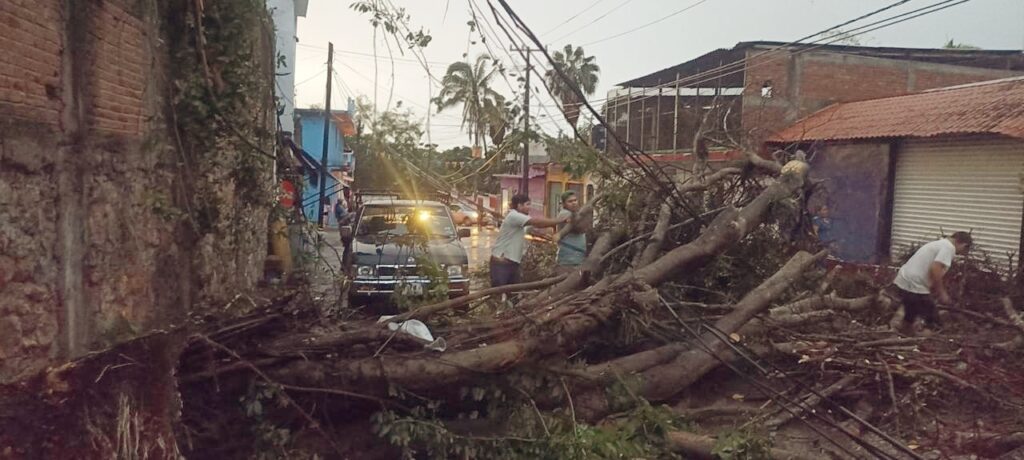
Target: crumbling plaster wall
{"type": "Point", "coordinates": [96, 243]}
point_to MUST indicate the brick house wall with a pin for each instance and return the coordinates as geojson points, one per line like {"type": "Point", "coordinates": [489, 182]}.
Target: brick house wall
{"type": "Point", "coordinates": [802, 83]}
{"type": "Point", "coordinates": [91, 252]}
{"type": "Point", "coordinates": [807, 82]}
{"type": "Point", "coordinates": [31, 35]}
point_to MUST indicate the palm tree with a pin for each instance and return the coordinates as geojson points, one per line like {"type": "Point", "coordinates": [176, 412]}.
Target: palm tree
{"type": "Point", "coordinates": [582, 72]}
{"type": "Point", "coordinates": [469, 85]}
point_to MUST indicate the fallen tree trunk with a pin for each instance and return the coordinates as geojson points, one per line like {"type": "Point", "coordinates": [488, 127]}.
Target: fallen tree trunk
{"type": "Point", "coordinates": [427, 310]}
{"type": "Point", "coordinates": [576, 318]}
{"type": "Point", "coordinates": [583, 216]}
{"type": "Point", "coordinates": [591, 268]}
{"type": "Point", "coordinates": [666, 371]}
{"type": "Point", "coordinates": [1017, 322]}
{"type": "Point", "coordinates": [728, 227]}
{"type": "Point", "coordinates": [657, 240]}
{"type": "Point", "coordinates": [664, 381]}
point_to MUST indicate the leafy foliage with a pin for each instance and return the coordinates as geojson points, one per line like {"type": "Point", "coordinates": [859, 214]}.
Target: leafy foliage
{"type": "Point", "coordinates": [384, 142]}
{"type": "Point", "coordinates": [578, 159]}
{"type": "Point", "coordinates": [742, 445]}
{"type": "Point", "coordinates": [223, 108]}
{"type": "Point", "coordinates": [394, 21]}
{"type": "Point", "coordinates": [512, 428]}
{"type": "Point", "coordinates": [273, 441]}
{"type": "Point", "coordinates": [582, 73]}
{"type": "Point", "coordinates": [469, 85]}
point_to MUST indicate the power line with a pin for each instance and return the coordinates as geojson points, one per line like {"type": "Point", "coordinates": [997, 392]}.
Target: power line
{"type": "Point", "coordinates": [322, 71]}
{"type": "Point", "coordinates": [368, 55]}
{"type": "Point", "coordinates": [342, 85]}
{"type": "Point", "coordinates": [695, 79]}
{"type": "Point", "coordinates": [493, 36]}
{"type": "Point", "coordinates": [515, 19]}
{"type": "Point", "coordinates": [584, 26]}
{"type": "Point", "coordinates": [502, 44]}
{"type": "Point", "coordinates": [773, 394]}
{"type": "Point", "coordinates": [779, 51]}
{"type": "Point", "coordinates": [694, 5]}
{"type": "Point", "coordinates": [583, 10]}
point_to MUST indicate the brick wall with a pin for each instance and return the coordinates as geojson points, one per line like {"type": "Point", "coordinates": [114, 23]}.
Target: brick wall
{"type": "Point", "coordinates": [810, 81]}
{"type": "Point", "coordinates": [91, 250]}
{"type": "Point", "coordinates": [118, 64]}
{"type": "Point", "coordinates": [31, 35]}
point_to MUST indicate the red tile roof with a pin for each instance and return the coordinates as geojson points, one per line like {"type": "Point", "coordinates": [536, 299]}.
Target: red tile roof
{"type": "Point", "coordinates": [993, 107]}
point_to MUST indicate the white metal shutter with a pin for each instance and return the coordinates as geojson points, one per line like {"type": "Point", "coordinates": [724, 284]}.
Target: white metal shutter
{"type": "Point", "coordinates": [959, 185]}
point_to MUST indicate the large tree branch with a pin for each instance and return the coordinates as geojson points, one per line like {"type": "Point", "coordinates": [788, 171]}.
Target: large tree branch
{"type": "Point", "coordinates": [729, 227]}
{"type": "Point", "coordinates": [585, 213]}
{"type": "Point", "coordinates": [657, 240]}
{"type": "Point", "coordinates": [590, 269]}
{"type": "Point", "coordinates": [663, 382]}
{"type": "Point", "coordinates": [428, 310]}
{"type": "Point", "coordinates": [577, 319]}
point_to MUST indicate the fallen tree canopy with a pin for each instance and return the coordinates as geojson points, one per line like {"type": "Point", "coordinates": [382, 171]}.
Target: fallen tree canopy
{"type": "Point", "coordinates": [700, 309]}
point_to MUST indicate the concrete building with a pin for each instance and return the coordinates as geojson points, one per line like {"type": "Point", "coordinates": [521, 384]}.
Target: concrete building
{"type": "Point", "coordinates": [548, 180]}
{"type": "Point", "coordinates": [340, 158]}
{"type": "Point", "coordinates": [286, 14]}
{"type": "Point", "coordinates": [756, 88]}
{"type": "Point", "coordinates": [904, 170]}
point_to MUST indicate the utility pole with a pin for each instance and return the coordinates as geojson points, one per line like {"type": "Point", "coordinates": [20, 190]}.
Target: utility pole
{"type": "Point", "coordinates": [675, 118]}
{"type": "Point", "coordinates": [525, 187]}
{"type": "Point", "coordinates": [327, 131]}
{"type": "Point", "coordinates": [526, 129]}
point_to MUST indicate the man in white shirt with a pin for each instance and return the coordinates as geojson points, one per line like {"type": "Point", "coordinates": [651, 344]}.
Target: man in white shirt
{"type": "Point", "coordinates": [509, 246]}
{"type": "Point", "coordinates": [920, 279]}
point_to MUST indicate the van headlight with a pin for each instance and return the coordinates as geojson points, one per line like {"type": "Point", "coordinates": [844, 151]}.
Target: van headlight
{"type": "Point", "coordinates": [364, 270]}
{"type": "Point", "coordinates": [455, 271]}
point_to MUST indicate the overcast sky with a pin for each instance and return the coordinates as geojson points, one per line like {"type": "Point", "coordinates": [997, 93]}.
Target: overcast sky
{"type": "Point", "coordinates": [709, 24]}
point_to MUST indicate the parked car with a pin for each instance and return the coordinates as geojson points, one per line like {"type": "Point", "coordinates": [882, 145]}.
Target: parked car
{"type": "Point", "coordinates": [396, 242]}
{"type": "Point", "coordinates": [465, 214]}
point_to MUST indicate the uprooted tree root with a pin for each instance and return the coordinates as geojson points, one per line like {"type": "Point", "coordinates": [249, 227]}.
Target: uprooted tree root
{"type": "Point", "coordinates": [711, 336]}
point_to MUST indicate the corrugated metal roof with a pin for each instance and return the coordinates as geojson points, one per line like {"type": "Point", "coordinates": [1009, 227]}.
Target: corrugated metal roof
{"type": "Point", "coordinates": [992, 107]}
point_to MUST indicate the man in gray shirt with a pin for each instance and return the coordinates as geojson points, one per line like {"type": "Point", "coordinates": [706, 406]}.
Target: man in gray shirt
{"type": "Point", "coordinates": [509, 246]}
{"type": "Point", "coordinates": [572, 247]}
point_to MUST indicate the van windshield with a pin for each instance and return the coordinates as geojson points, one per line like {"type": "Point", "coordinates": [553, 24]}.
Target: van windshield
{"type": "Point", "coordinates": [391, 221]}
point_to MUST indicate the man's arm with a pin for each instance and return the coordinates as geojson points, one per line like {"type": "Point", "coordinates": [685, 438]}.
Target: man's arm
{"type": "Point", "coordinates": [935, 273]}
{"type": "Point", "coordinates": [543, 222]}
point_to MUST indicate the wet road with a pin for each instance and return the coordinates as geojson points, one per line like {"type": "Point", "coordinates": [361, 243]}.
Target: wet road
{"type": "Point", "coordinates": [479, 246]}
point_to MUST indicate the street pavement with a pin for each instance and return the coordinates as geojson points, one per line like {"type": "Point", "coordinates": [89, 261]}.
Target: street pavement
{"type": "Point", "coordinates": [479, 246]}
{"type": "Point", "coordinates": [326, 273]}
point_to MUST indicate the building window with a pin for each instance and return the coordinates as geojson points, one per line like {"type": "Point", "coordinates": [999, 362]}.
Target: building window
{"type": "Point", "coordinates": [766, 89]}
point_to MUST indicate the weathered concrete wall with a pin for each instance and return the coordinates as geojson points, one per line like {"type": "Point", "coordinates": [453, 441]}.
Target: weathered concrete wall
{"type": "Point", "coordinates": [97, 241]}
{"type": "Point", "coordinates": [856, 182]}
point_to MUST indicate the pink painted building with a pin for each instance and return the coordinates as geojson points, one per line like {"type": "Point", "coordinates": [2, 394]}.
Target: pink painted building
{"type": "Point", "coordinates": [511, 184]}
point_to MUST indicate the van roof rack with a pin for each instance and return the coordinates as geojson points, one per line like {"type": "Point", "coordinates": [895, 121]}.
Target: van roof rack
{"type": "Point", "coordinates": [442, 197]}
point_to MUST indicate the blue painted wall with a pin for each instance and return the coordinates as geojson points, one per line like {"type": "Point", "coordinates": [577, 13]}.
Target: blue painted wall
{"type": "Point", "coordinates": [854, 183]}
{"type": "Point", "coordinates": [312, 125]}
